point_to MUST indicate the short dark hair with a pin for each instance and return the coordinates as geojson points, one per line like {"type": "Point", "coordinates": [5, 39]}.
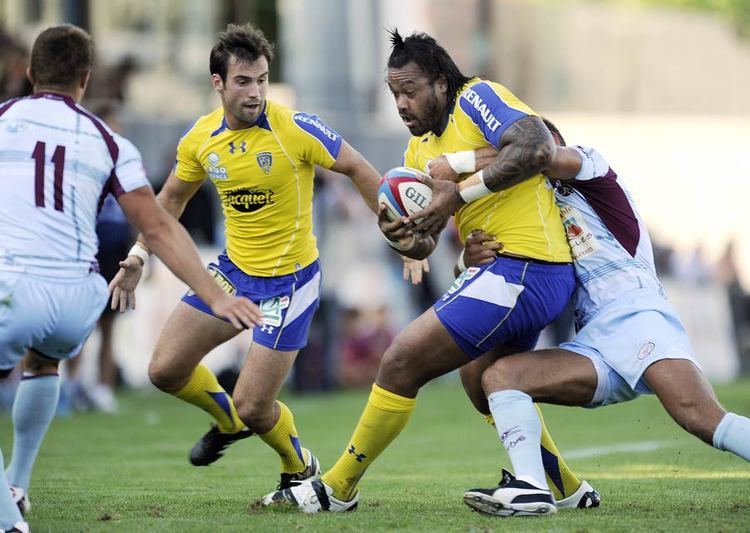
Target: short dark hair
{"type": "Point", "coordinates": [559, 139]}
{"type": "Point", "coordinates": [61, 55]}
{"type": "Point", "coordinates": [429, 56]}
{"type": "Point", "coordinates": [245, 43]}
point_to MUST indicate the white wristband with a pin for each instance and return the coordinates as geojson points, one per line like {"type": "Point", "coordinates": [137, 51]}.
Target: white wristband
{"type": "Point", "coordinates": [140, 252]}
{"type": "Point", "coordinates": [460, 265]}
{"type": "Point", "coordinates": [401, 247]}
{"type": "Point", "coordinates": [475, 191]}
{"type": "Point", "coordinates": [462, 162]}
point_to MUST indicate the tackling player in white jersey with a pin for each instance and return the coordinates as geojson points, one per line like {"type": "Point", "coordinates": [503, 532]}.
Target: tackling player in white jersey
{"type": "Point", "coordinates": [629, 338]}
{"type": "Point", "coordinates": [57, 163]}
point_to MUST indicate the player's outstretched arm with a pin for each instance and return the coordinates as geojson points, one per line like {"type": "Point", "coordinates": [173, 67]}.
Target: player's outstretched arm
{"type": "Point", "coordinates": [172, 244]}
{"type": "Point", "coordinates": [173, 197]}
{"type": "Point", "coordinates": [361, 172]}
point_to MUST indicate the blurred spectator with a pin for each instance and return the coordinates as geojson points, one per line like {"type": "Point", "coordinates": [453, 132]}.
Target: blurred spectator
{"type": "Point", "coordinates": [111, 83]}
{"type": "Point", "coordinates": [365, 337]}
{"type": "Point", "coordinates": [664, 258]}
{"type": "Point", "coordinates": [739, 302]}
{"type": "Point", "coordinates": [14, 58]}
{"type": "Point", "coordinates": [694, 270]}
{"type": "Point", "coordinates": [115, 237]}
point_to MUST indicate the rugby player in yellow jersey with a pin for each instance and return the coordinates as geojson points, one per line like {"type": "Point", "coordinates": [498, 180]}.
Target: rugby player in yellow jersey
{"type": "Point", "coordinates": [496, 309]}
{"type": "Point", "coordinates": [260, 155]}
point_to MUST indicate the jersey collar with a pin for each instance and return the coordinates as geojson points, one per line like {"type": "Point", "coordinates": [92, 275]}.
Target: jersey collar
{"type": "Point", "coordinates": [261, 122]}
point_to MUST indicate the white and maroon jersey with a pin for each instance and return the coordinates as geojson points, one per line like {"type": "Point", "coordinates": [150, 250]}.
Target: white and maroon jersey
{"type": "Point", "coordinates": [57, 163]}
{"type": "Point", "coordinates": [611, 247]}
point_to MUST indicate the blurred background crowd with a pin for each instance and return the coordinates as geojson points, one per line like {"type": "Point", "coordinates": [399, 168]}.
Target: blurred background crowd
{"type": "Point", "coordinates": [659, 86]}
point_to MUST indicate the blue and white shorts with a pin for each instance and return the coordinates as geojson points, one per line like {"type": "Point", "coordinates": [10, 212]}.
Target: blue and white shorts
{"type": "Point", "coordinates": [47, 311]}
{"type": "Point", "coordinates": [624, 338]}
{"type": "Point", "coordinates": [288, 302]}
{"type": "Point", "coordinates": [507, 302]}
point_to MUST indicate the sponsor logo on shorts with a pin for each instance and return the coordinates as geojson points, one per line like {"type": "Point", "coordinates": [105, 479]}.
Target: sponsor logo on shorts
{"type": "Point", "coordinates": [247, 200]}
{"type": "Point", "coordinates": [460, 280]}
{"type": "Point", "coordinates": [221, 280]}
{"type": "Point", "coordinates": [272, 310]}
{"type": "Point", "coordinates": [646, 350]}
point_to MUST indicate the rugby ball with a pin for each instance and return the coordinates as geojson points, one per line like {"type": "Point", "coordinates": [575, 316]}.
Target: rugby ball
{"type": "Point", "coordinates": [402, 193]}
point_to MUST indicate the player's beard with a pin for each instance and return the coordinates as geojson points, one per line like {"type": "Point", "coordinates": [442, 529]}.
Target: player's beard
{"type": "Point", "coordinates": [429, 120]}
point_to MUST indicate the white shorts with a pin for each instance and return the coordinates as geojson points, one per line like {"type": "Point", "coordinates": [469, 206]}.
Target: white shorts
{"type": "Point", "coordinates": [624, 338]}
{"type": "Point", "coordinates": [52, 314]}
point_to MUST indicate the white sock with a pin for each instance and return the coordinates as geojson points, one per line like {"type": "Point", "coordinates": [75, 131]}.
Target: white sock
{"type": "Point", "coordinates": [520, 431]}
{"type": "Point", "coordinates": [33, 409]}
{"type": "Point", "coordinates": [733, 435]}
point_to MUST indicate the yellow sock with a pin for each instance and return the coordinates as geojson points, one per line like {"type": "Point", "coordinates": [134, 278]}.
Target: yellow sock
{"type": "Point", "coordinates": [284, 439]}
{"type": "Point", "coordinates": [203, 390]}
{"type": "Point", "coordinates": [384, 417]}
{"type": "Point", "coordinates": [560, 478]}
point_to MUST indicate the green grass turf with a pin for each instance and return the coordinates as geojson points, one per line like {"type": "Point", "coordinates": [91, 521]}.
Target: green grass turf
{"type": "Point", "coordinates": [129, 472]}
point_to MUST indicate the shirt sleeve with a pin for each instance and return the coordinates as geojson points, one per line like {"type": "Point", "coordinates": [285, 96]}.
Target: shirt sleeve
{"type": "Point", "coordinates": [129, 168]}
{"type": "Point", "coordinates": [318, 143]}
{"type": "Point", "coordinates": [593, 164]}
{"type": "Point", "coordinates": [187, 166]}
{"type": "Point", "coordinates": [492, 108]}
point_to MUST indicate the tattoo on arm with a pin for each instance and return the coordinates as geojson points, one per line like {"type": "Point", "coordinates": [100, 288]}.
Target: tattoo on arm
{"type": "Point", "coordinates": [526, 149]}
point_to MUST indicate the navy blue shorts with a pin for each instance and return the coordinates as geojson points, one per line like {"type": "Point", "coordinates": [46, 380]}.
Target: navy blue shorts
{"type": "Point", "coordinates": [507, 302]}
{"type": "Point", "coordinates": [287, 302]}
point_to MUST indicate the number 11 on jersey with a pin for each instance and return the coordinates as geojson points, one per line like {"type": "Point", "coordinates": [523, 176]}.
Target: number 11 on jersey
{"type": "Point", "coordinates": [58, 160]}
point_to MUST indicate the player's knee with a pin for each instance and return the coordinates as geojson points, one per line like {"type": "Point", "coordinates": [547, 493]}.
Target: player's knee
{"type": "Point", "coordinates": [35, 364]}
{"type": "Point", "coordinates": [502, 375]}
{"type": "Point", "coordinates": [162, 377]}
{"type": "Point", "coordinates": [398, 372]}
{"type": "Point", "coordinates": [255, 414]}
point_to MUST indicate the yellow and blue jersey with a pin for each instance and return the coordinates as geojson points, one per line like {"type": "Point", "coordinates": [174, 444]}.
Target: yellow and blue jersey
{"type": "Point", "coordinates": [264, 177]}
{"type": "Point", "coordinates": [524, 217]}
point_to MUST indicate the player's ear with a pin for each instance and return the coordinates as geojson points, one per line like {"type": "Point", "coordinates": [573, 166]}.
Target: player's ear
{"type": "Point", "coordinates": [442, 84]}
{"type": "Point", "coordinates": [30, 75]}
{"type": "Point", "coordinates": [84, 81]}
{"type": "Point", "coordinates": [218, 83]}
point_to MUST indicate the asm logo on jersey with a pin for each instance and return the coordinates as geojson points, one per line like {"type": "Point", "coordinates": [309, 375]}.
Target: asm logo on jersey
{"type": "Point", "coordinates": [265, 160]}
{"type": "Point", "coordinates": [248, 200]}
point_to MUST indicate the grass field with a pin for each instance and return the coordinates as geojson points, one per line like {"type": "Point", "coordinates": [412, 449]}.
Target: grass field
{"type": "Point", "coordinates": [129, 472]}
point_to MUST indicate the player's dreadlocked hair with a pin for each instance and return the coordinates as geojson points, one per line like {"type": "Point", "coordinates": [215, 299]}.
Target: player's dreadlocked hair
{"type": "Point", "coordinates": [428, 55]}
{"type": "Point", "coordinates": [245, 43]}
{"type": "Point", "coordinates": [559, 139]}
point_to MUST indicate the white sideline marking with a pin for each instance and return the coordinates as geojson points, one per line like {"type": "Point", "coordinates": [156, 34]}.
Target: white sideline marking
{"type": "Point", "coordinates": [628, 447]}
